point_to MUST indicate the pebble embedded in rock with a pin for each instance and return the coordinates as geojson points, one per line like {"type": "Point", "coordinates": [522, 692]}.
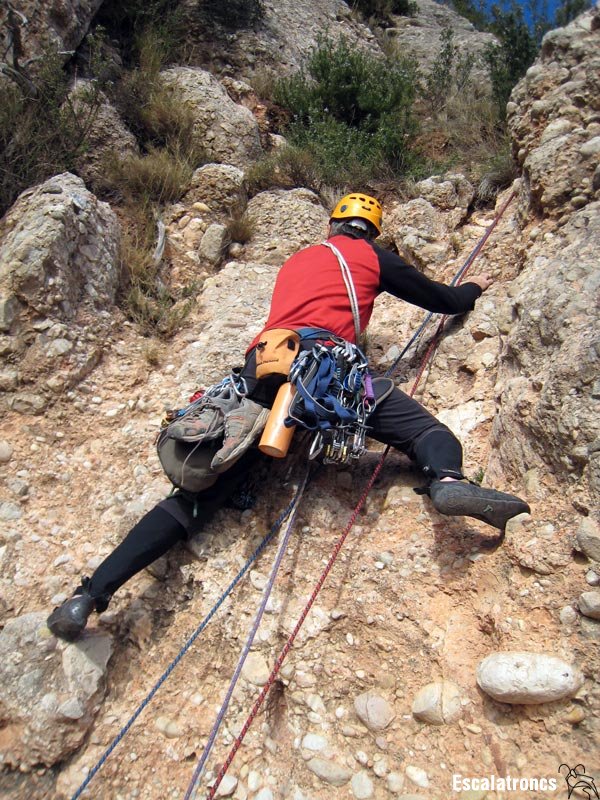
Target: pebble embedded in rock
{"type": "Point", "coordinates": [592, 578]}
{"type": "Point", "coordinates": [568, 615]}
{"type": "Point", "coordinates": [329, 771]}
{"type": "Point", "coordinates": [588, 538]}
{"type": "Point", "coordinates": [6, 451]}
{"type": "Point", "coordinates": [373, 711]}
{"type": "Point", "coordinates": [256, 670]}
{"type": "Point", "coordinates": [312, 741]}
{"type": "Point", "coordinates": [168, 727]}
{"type": "Point", "coordinates": [395, 782]}
{"type": "Point", "coordinates": [438, 703]}
{"type": "Point", "coordinates": [589, 604]}
{"type": "Point", "coordinates": [10, 512]}
{"type": "Point", "coordinates": [362, 786]}
{"type": "Point", "coordinates": [528, 678]}
{"type": "Point", "coordinates": [417, 776]}
{"type": "Point", "coordinates": [227, 786]}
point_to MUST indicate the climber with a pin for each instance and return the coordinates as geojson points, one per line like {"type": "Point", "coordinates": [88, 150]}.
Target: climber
{"type": "Point", "coordinates": [309, 293]}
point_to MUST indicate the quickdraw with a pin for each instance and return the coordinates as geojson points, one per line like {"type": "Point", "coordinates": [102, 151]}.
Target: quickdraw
{"type": "Point", "coordinates": [334, 397]}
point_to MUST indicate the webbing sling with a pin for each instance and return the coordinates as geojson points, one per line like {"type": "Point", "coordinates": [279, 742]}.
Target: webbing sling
{"type": "Point", "coordinates": [347, 276]}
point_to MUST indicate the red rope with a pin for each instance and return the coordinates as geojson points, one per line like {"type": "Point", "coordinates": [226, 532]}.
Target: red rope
{"type": "Point", "coordinates": [340, 542]}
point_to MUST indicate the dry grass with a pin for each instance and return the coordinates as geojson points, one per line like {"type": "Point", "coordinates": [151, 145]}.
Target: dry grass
{"type": "Point", "coordinates": [159, 177]}
{"type": "Point", "coordinates": [146, 297]}
{"type": "Point", "coordinates": [240, 228]}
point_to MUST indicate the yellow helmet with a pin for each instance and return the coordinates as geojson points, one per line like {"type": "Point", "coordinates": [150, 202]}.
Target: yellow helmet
{"type": "Point", "coordinates": [359, 205]}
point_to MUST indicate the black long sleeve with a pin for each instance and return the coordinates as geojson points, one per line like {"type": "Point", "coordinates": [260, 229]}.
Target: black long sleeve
{"type": "Point", "coordinates": [401, 280]}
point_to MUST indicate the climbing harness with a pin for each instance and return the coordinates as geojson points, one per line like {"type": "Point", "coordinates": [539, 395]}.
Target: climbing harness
{"type": "Point", "coordinates": [290, 509]}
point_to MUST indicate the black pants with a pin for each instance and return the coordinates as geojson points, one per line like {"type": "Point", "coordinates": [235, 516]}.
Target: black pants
{"type": "Point", "coordinates": [398, 421]}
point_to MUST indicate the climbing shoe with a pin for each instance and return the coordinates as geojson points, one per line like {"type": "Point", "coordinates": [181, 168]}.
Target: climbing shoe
{"type": "Point", "coordinates": [459, 498]}
{"type": "Point", "coordinates": [242, 426]}
{"type": "Point", "coordinates": [204, 421]}
{"type": "Point", "coordinates": [69, 620]}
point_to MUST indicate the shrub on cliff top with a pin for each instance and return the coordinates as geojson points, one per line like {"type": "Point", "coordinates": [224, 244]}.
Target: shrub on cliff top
{"type": "Point", "coordinates": [351, 111]}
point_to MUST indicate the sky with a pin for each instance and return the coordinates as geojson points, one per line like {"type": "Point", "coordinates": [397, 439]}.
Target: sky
{"type": "Point", "coordinates": [546, 7]}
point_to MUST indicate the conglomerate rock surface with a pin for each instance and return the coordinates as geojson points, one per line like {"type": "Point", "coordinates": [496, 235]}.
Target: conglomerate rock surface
{"type": "Point", "coordinates": [379, 697]}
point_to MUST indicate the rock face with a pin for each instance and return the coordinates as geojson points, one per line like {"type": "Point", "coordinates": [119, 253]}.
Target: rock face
{"type": "Point", "coordinates": [60, 25]}
{"type": "Point", "coordinates": [548, 377]}
{"type": "Point", "coordinates": [420, 35]}
{"type": "Point", "coordinates": [49, 692]}
{"type": "Point", "coordinates": [282, 40]}
{"type": "Point", "coordinates": [108, 137]}
{"type": "Point", "coordinates": [554, 118]}
{"type": "Point", "coordinates": [58, 276]}
{"type": "Point", "coordinates": [227, 132]}
{"type": "Point", "coordinates": [549, 367]}
{"type": "Point", "coordinates": [527, 678]}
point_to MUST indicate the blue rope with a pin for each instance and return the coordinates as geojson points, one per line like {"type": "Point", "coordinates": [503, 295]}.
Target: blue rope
{"type": "Point", "coordinates": [192, 787]}
{"type": "Point", "coordinates": [418, 332]}
{"type": "Point", "coordinates": [186, 647]}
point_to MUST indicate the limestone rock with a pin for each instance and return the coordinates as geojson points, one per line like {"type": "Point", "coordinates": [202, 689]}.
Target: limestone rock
{"type": "Point", "coordinates": [419, 36]}
{"type": "Point", "coordinates": [56, 26]}
{"type": "Point", "coordinates": [448, 193]}
{"type": "Point", "coordinates": [362, 786]}
{"type": "Point", "coordinates": [219, 186]}
{"type": "Point", "coordinates": [107, 137]}
{"type": "Point", "coordinates": [528, 678]}
{"type": "Point", "coordinates": [588, 538]}
{"type": "Point", "coordinates": [255, 669]}
{"type": "Point", "coordinates": [589, 604]}
{"type": "Point", "coordinates": [214, 243]}
{"type": "Point", "coordinates": [374, 711]}
{"type": "Point", "coordinates": [549, 365]}
{"type": "Point", "coordinates": [6, 451]}
{"type": "Point", "coordinates": [59, 267]}
{"type": "Point", "coordinates": [549, 115]}
{"type": "Point", "coordinates": [284, 221]}
{"type": "Point", "coordinates": [227, 132]}
{"type": "Point", "coordinates": [438, 703]}
{"type": "Point", "coordinates": [49, 692]}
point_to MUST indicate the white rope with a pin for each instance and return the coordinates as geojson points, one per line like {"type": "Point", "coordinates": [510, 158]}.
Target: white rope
{"type": "Point", "coordinates": [347, 276]}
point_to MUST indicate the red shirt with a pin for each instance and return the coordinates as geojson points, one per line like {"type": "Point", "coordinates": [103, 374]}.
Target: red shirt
{"type": "Point", "coordinates": [310, 291]}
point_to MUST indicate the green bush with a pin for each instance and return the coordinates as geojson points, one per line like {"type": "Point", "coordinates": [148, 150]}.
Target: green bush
{"type": "Point", "coordinates": [449, 74]}
{"type": "Point", "coordinates": [351, 112]}
{"type": "Point", "coordinates": [381, 10]}
{"type": "Point", "coordinates": [128, 21]}
{"type": "Point", "coordinates": [509, 60]}
{"type": "Point", "coordinates": [234, 14]}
